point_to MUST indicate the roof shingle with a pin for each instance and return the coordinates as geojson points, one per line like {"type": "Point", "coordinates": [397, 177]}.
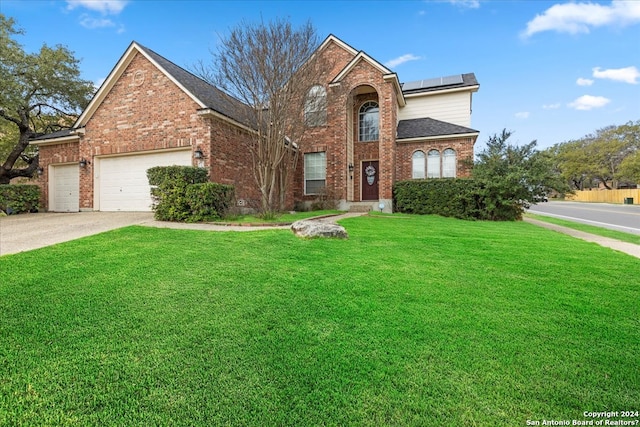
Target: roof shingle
{"type": "Point", "coordinates": [208, 94]}
{"type": "Point", "coordinates": [428, 127]}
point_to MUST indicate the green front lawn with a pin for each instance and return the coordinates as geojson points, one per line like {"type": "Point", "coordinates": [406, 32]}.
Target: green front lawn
{"type": "Point", "coordinates": [412, 321]}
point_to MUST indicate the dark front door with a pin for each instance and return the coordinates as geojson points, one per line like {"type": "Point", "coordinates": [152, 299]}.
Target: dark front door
{"type": "Point", "coordinates": [370, 175]}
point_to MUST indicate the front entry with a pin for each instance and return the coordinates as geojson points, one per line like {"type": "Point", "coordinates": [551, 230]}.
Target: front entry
{"type": "Point", "coordinates": [370, 177]}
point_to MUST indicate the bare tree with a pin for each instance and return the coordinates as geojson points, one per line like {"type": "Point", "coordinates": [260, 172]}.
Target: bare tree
{"type": "Point", "coordinates": [267, 67]}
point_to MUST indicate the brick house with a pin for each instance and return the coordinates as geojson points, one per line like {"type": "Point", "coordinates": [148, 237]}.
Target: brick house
{"type": "Point", "coordinates": [366, 130]}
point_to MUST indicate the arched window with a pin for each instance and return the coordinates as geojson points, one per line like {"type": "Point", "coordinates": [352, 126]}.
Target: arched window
{"type": "Point", "coordinates": [433, 164]}
{"type": "Point", "coordinates": [418, 165]}
{"type": "Point", "coordinates": [449, 163]}
{"type": "Point", "coordinates": [368, 119]}
{"type": "Point", "coordinates": [315, 106]}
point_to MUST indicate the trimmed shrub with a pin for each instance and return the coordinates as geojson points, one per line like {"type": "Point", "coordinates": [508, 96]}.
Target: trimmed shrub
{"type": "Point", "coordinates": [19, 198]}
{"type": "Point", "coordinates": [459, 198]}
{"type": "Point", "coordinates": [168, 190]}
{"type": "Point", "coordinates": [208, 201]}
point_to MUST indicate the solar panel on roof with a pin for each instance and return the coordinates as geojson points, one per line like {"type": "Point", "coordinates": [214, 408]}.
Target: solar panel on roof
{"type": "Point", "coordinates": [412, 85]}
{"type": "Point", "coordinates": [452, 80]}
{"type": "Point", "coordinates": [435, 82]}
{"type": "Point", "coordinates": [430, 83]}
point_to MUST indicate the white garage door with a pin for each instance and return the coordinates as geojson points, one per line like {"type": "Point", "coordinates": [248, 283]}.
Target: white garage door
{"type": "Point", "coordinates": [64, 195]}
{"type": "Point", "coordinates": [123, 183]}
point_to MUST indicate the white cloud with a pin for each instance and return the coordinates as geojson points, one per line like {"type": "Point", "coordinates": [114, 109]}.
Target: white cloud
{"type": "Point", "coordinates": [627, 75]}
{"type": "Point", "coordinates": [92, 23]}
{"type": "Point", "coordinates": [574, 18]}
{"type": "Point", "coordinates": [551, 106]}
{"type": "Point", "coordinates": [584, 82]}
{"type": "Point", "coordinates": [106, 7]}
{"type": "Point", "coordinates": [467, 4]}
{"type": "Point", "coordinates": [401, 60]}
{"type": "Point", "coordinates": [523, 115]}
{"type": "Point", "coordinates": [588, 102]}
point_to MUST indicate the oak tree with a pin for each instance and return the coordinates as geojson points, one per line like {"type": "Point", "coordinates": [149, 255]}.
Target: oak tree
{"type": "Point", "coordinates": [39, 93]}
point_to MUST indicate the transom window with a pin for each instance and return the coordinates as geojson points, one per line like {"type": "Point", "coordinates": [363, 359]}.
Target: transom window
{"type": "Point", "coordinates": [315, 172]}
{"type": "Point", "coordinates": [368, 120]}
{"type": "Point", "coordinates": [315, 106]}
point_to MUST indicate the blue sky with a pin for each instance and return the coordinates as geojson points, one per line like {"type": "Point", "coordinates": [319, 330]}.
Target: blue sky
{"type": "Point", "coordinates": [550, 71]}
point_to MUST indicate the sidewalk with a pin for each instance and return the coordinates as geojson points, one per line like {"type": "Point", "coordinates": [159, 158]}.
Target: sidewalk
{"type": "Point", "coordinates": [628, 248]}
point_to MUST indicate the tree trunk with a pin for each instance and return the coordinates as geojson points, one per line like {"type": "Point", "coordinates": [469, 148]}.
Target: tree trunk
{"type": "Point", "coordinates": [7, 172]}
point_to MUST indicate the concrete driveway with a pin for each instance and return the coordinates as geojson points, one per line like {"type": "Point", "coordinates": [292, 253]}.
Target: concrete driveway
{"type": "Point", "coordinates": [25, 232]}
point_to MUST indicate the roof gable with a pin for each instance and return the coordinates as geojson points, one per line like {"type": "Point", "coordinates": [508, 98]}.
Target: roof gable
{"type": "Point", "coordinates": [387, 74]}
{"type": "Point", "coordinates": [205, 95]}
{"type": "Point", "coordinates": [333, 39]}
{"type": "Point", "coordinates": [361, 56]}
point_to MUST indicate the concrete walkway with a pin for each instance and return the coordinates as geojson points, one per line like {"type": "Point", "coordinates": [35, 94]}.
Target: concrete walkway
{"type": "Point", "coordinates": [628, 248]}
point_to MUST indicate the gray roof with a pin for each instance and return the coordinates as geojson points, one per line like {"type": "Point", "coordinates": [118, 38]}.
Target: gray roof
{"type": "Point", "coordinates": [57, 134]}
{"type": "Point", "coordinates": [468, 79]}
{"type": "Point", "coordinates": [208, 94]}
{"type": "Point", "coordinates": [428, 127]}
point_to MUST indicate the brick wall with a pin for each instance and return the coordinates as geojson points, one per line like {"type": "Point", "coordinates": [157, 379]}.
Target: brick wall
{"type": "Point", "coordinates": [339, 138]}
{"type": "Point", "coordinates": [143, 111]}
{"type": "Point", "coordinates": [231, 161]}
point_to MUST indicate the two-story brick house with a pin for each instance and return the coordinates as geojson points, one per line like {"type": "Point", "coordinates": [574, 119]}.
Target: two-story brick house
{"type": "Point", "coordinates": [367, 130]}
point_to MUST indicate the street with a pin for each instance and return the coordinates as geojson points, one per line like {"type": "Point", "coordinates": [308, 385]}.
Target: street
{"type": "Point", "coordinates": [616, 217]}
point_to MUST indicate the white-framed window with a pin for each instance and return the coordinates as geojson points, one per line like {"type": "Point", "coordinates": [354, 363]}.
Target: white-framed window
{"type": "Point", "coordinates": [418, 165]}
{"type": "Point", "coordinates": [368, 119]}
{"type": "Point", "coordinates": [449, 163]}
{"type": "Point", "coordinates": [315, 172]}
{"type": "Point", "coordinates": [433, 164]}
{"type": "Point", "coordinates": [315, 106]}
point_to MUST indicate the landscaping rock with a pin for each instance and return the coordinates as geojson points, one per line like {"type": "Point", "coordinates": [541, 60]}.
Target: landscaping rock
{"type": "Point", "coordinates": [311, 229]}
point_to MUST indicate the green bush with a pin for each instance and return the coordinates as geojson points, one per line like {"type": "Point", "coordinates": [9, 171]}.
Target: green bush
{"type": "Point", "coordinates": [168, 190]}
{"type": "Point", "coordinates": [15, 199]}
{"type": "Point", "coordinates": [208, 201]}
{"type": "Point", "coordinates": [184, 194]}
{"type": "Point", "coordinates": [457, 198]}
{"type": "Point", "coordinates": [470, 199]}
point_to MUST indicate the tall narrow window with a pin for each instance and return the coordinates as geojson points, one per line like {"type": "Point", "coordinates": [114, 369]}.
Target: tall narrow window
{"type": "Point", "coordinates": [315, 172]}
{"type": "Point", "coordinates": [368, 120]}
{"type": "Point", "coordinates": [449, 163]}
{"type": "Point", "coordinates": [418, 165]}
{"type": "Point", "coordinates": [315, 107]}
{"type": "Point", "coordinates": [433, 164]}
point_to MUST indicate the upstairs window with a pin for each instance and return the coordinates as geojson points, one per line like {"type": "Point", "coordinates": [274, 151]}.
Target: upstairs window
{"type": "Point", "coordinates": [368, 120]}
{"type": "Point", "coordinates": [315, 107]}
{"type": "Point", "coordinates": [418, 165]}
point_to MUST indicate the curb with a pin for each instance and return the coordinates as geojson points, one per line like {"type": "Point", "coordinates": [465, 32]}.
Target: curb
{"type": "Point", "coordinates": [628, 248]}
